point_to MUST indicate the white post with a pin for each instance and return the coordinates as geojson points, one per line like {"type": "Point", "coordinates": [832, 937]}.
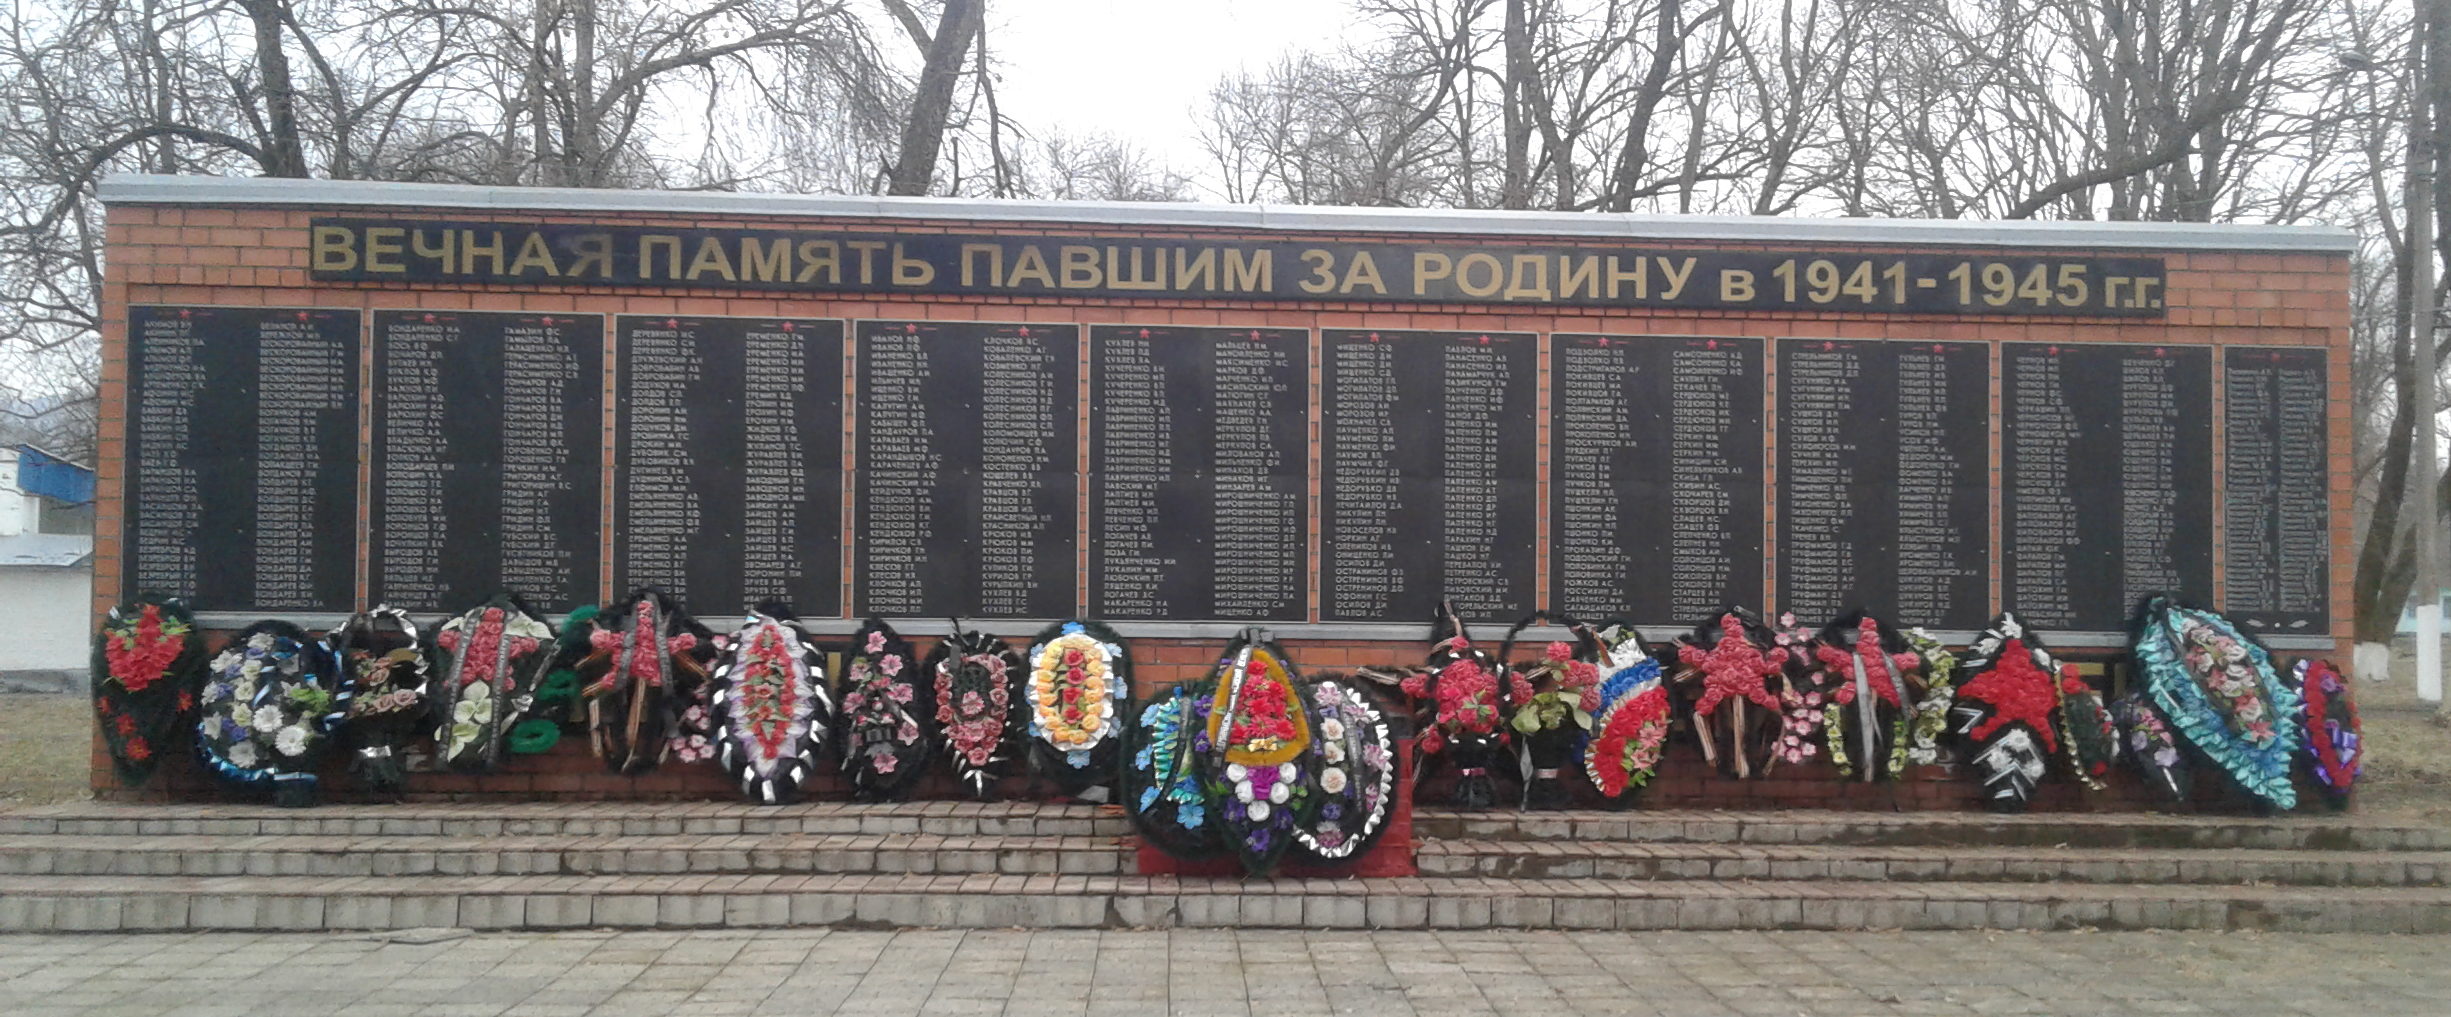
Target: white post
{"type": "Point", "coordinates": [2421, 154]}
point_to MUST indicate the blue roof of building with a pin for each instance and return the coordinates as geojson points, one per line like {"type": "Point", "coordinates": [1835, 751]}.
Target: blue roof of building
{"type": "Point", "coordinates": [54, 477]}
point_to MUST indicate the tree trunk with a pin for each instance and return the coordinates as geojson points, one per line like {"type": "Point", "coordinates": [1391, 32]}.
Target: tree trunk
{"type": "Point", "coordinates": [2386, 564]}
{"type": "Point", "coordinates": [932, 104]}
{"type": "Point", "coordinates": [587, 167]}
{"type": "Point", "coordinates": [283, 155]}
{"type": "Point", "coordinates": [156, 77]}
{"type": "Point", "coordinates": [1637, 151]}
{"type": "Point", "coordinates": [540, 117]}
{"type": "Point", "coordinates": [1517, 190]}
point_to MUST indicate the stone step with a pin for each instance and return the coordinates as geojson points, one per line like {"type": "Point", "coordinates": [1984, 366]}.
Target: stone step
{"type": "Point", "coordinates": [66, 903]}
{"type": "Point", "coordinates": [1036, 819]}
{"type": "Point", "coordinates": [1939, 829]}
{"type": "Point", "coordinates": [806, 854]}
{"type": "Point", "coordinates": [738, 854]}
{"type": "Point", "coordinates": [1502, 859]}
{"type": "Point", "coordinates": [632, 819]}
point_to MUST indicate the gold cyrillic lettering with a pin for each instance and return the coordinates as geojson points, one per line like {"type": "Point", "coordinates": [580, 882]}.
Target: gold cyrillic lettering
{"type": "Point", "coordinates": [1515, 287]}
{"type": "Point", "coordinates": [867, 250]}
{"type": "Point", "coordinates": [1032, 264]}
{"type": "Point", "coordinates": [1363, 271]}
{"type": "Point", "coordinates": [1463, 274]}
{"type": "Point", "coordinates": [1115, 270]}
{"type": "Point", "coordinates": [1323, 275]}
{"type": "Point", "coordinates": [1079, 267]}
{"type": "Point", "coordinates": [912, 271]}
{"type": "Point", "coordinates": [765, 261]}
{"type": "Point", "coordinates": [333, 249]}
{"type": "Point", "coordinates": [593, 249]}
{"type": "Point", "coordinates": [383, 247]}
{"type": "Point", "coordinates": [1204, 266]}
{"type": "Point", "coordinates": [1735, 286]}
{"type": "Point", "coordinates": [1641, 276]}
{"type": "Point", "coordinates": [1574, 274]}
{"type": "Point", "coordinates": [712, 258]}
{"type": "Point", "coordinates": [441, 250]}
{"type": "Point", "coordinates": [1429, 265]}
{"type": "Point", "coordinates": [821, 256]}
{"type": "Point", "coordinates": [1676, 276]}
{"type": "Point", "coordinates": [470, 251]}
{"type": "Point", "coordinates": [648, 245]}
{"type": "Point", "coordinates": [995, 264]}
{"type": "Point", "coordinates": [1250, 271]}
{"type": "Point", "coordinates": [535, 253]}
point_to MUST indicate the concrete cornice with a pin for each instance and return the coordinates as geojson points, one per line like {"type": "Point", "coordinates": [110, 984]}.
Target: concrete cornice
{"type": "Point", "coordinates": [138, 189]}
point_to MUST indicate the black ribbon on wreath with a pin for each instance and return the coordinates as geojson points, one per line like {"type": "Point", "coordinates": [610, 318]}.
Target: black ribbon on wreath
{"type": "Point", "coordinates": [1550, 702]}
{"type": "Point", "coordinates": [1465, 725]}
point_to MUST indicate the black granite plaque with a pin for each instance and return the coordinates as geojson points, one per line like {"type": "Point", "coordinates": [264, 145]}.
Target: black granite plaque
{"type": "Point", "coordinates": [727, 454]}
{"type": "Point", "coordinates": [1884, 480]}
{"type": "Point", "coordinates": [2276, 490]}
{"type": "Point", "coordinates": [1199, 458]}
{"type": "Point", "coordinates": [242, 457]}
{"type": "Point", "coordinates": [2107, 489]}
{"type": "Point", "coordinates": [488, 458]}
{"type": "Point", "coordinates": [1656, 476]}
{"type": "Point", "coordinates": [1427, 477]}
{"type": "Point", "coordinates": [968, 469]}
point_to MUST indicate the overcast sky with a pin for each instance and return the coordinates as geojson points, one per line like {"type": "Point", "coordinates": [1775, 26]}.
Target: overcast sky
{"type": "Point", "coordinates": [1138, 68]}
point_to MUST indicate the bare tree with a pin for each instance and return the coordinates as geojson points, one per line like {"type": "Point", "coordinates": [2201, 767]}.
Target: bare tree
{"type": "Point", "coordinates": [1102, 168]}
{"type": "Point", "coordinates": [947, 51]}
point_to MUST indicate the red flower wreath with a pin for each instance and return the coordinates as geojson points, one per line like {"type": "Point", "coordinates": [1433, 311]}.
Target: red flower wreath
{"type": "Point", "coordinates": [2323, 682]}
{"type": "Point", "coordinates": [974, 722]}
{"type": "Point", "coordinates": [1262, 709]}
{"type": "Point", "coordinates": [140, 658]}
{"type": "Point", "coordinates": [1629, 742]}
{"type": "Point", "coordinates": [1881, 670]}
{"type": "Point", "coordinates": [1734, 667]}
{"type": "Point", "coordinates": [2018, 691]}
{"type": "Point", "coordinates": [1466, 693]}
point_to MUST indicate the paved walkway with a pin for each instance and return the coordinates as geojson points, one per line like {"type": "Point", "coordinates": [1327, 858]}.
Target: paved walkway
{"type": "Point", "coordinates": [1219, 972]}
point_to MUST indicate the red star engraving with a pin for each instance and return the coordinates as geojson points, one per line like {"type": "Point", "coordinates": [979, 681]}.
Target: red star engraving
{"type": "Point", "coordinates": [1144, 333]}
{"type": "Point", "coordinates": [1735, 667]}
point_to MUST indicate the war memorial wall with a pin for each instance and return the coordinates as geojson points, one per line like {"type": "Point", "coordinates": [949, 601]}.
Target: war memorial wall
{"type": "Point", "coordinates": [1180, 420]}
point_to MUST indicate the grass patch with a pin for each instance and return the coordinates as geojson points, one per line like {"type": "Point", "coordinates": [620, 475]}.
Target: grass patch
{"type": "Point", "coordinates": [44, 748]}
{"type": "Point", "coordinates": [2408, 747]}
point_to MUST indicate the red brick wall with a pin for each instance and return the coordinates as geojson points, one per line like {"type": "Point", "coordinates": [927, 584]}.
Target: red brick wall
{"type": "Point", "coordinates": [257, 256]}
